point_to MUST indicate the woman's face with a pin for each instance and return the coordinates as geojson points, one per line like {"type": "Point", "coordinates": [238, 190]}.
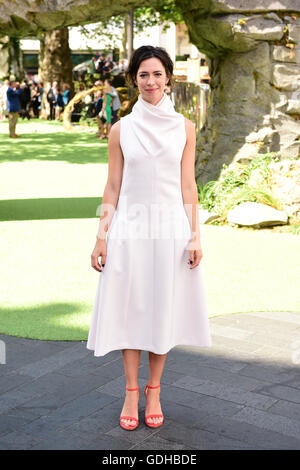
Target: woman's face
{"type": "Point", "coordinates": [151, 79]}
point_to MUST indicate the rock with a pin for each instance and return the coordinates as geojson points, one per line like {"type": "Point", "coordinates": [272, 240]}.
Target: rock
{"type": "Point", "coordinates": [263, 135]}
{"type": "Point", "coordinates": [230, 6]}
{"type": "Point", "coordinates": [286, 76]}
{"type": "Point", "coordinates": [292, 19]}
{"type": "Point", "coordinates": [294, 33]}
{"type": "Point", "coordinates": [261, 27]}
{"type": "Point", "coordinates": [282, 102]}
{"type": "Point", "coordinates": [293, 107]}
{"type": "Point", "coordinates": [256, 178]}
{"type": "Point", "coordinates": [205, 216]}
{"type": "Point", "coordinates": [246, 152]}
{"type": "Point", "coordinates": [290, 150]}
{"type": "Point", "coordinates": [21, 18]}
{"type": "Point", "coordinates": [274, 17]}
{"type": "Point", "coordinates": [254, 214]}
{"type": "Point", "coordinates": [287, 127]}
{"type": "Point", "coordinates": [286, 54]}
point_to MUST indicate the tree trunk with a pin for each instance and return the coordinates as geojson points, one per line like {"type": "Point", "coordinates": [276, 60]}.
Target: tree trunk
{"type": "Point", "coordinates": [16, 59]}
{"type": "Point", "coordinates": [11, 60]}
{"type": "Point", "coordinates": [130, 34]}
{"type": "Point", "coordinates": [4, 55]}
{"type": "Point", "coordinates": [123, 48]}
{"type": "Point", "coordinates": [55, 62]}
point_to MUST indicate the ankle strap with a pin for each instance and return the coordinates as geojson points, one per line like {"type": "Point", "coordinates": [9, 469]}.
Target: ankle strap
{"type": "Point", "coordinates": [131, 389]}
{"type": "Point", "coordinates": [149, 386]}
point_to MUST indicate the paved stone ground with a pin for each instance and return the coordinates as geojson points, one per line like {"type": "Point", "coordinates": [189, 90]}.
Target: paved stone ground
{"type": "Point", "coordinates": [242, 393]}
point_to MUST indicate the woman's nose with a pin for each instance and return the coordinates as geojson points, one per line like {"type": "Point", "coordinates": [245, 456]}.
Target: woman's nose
{"type": "Point", "coordinates": [150, 80]}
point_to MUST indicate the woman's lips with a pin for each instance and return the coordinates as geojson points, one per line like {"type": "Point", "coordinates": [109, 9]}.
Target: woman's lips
{"type": "Point", "coordinates": [151, 90]}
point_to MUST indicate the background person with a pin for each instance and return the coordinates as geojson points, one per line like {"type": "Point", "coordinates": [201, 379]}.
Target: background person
{"type": "Point", "coordinates": [3, 100]}
{"type": "Point", "coordinates": [35, 103]}
{"type": "Point", "coordinates": [106, 106]}
{"type": "Point", "coordinates": [51, 98]}
{"type": "Point", "coordinates": [25, 100]}
{"type": "Point", "coordinates": [98, 107]}
{"type": "Point", "coordinates": [99, 64]}
{"type": "Point", "coordinates": [13, 106]}
{"type": "Point", "coordinates": [59, 104]}
{"type": "Point", "coordinates": [116, 104]}
{"type": "Point", "coordinates": [66, 93]}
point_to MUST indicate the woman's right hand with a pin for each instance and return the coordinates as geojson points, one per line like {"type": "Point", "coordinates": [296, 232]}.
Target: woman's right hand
{"type": "Point", "coordinates": [99, 250]}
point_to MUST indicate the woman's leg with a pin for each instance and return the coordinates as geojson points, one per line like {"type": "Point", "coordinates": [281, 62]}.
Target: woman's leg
{"type": "Point", "coordinates": [131, 359]}
{"type": "Point", "coordinates": [156, 366]}
{"type": "Point", "coordinates": [101, 136]}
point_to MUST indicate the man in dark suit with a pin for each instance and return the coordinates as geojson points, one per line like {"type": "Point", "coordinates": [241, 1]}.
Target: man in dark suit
{"type": "Point", "coordinates": [52, 99]}
{"type": "Point", "coordinates": [13, 106]}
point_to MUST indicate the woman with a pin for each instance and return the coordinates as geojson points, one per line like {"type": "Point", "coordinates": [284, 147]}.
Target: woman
{"type": "Point", "coordinates": [150, 292]}
{"type": "Point", "coordinates": [106, 106]}
{"type": "Point", "coordinates": [98, 107]}
{"type": "Point", "coordinates": [65, 93]}
{"type": "Point", "coordinates": [59, 104]}
{"type": "Point", "coordinates": [35, 102]}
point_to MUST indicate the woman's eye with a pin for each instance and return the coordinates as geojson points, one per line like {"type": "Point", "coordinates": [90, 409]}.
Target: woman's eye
{"type": "Point", "coordinates": [142, 76]}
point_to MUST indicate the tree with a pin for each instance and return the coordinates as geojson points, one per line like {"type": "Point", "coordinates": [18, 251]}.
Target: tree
{"type": "Point", "coordinates": [55, 61]}
{"type": "Point", "coordinates": [115, 30]}
{"type": "Point", "coordinates": [11, 58]}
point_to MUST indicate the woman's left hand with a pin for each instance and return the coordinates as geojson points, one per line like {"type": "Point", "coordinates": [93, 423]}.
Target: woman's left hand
{"type": "Point", "coordinates": [196, 253]}
{"type": "Point", "coordinates": [195, 258]}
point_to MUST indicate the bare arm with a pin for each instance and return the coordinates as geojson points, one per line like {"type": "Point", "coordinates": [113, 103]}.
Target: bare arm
{"type": "Point", "coordinates": [189, 190]}
{"type": "Point", "coordinates": [111, 193]}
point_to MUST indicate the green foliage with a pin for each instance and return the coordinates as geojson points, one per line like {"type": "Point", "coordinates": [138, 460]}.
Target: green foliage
{"type": "Point", "coordinates": [206, 195]}
{"type": "Point", "coordinates": [232, 187]}
{"type": "Point", "coordinates": [163, 12]}
{"type": "Point", "coordinates": [249, 194]}
{"type": "Point", "coordinates": [296, 229]}
{"type": "Point", "coordinates": [261, 162]}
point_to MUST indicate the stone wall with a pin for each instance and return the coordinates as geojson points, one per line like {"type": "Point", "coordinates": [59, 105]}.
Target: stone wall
{"type": "Point", "coordinates": [255, 87]}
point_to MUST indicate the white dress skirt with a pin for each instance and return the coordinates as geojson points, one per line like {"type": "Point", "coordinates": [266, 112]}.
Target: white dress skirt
{"type": "Point", "coordinates": [148, 297]}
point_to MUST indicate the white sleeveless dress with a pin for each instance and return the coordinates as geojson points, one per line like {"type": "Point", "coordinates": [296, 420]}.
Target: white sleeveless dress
{"type": "Point", "coordinates": [147, 297]}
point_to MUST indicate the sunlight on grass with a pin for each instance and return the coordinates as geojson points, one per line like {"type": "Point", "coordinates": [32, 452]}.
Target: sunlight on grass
{"type": "Point", "coordinates": [48, 286]}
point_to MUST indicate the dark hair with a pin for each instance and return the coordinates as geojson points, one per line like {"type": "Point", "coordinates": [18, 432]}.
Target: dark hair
{"type": "Point", "coordinates": [146, 52]}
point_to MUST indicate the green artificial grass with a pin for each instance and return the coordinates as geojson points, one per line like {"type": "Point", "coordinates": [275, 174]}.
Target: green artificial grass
{"type": "Point", "coordinates": [51, 187]}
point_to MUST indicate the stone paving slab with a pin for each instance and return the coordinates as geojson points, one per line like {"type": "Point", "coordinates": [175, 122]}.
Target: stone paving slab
{"type": "Point", "coordinates": [242, 393]}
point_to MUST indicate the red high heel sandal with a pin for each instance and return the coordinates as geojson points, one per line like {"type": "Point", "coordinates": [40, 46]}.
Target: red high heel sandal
{"type": "Point", "coordinates": [153, 425]}
{"type": "Point", "coordinates": [130, 427]}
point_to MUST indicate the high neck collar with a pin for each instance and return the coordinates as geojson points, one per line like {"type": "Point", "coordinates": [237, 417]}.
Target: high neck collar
{"type": "Point", "coordinates": [163, 109]}
{"type": "Point", "coordinates": [150, 104]}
